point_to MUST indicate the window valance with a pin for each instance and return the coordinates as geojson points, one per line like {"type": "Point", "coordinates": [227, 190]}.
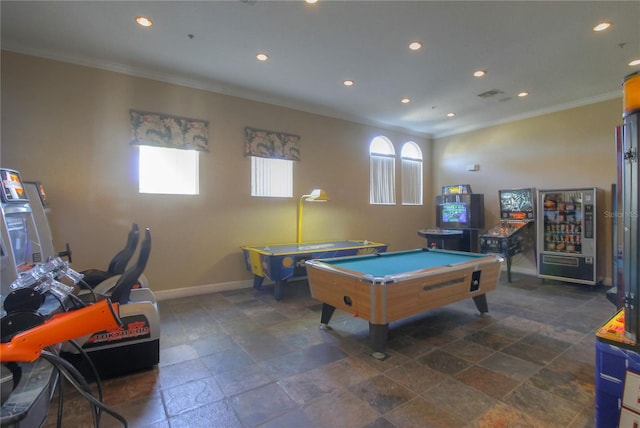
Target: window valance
{"type": "Point", "coordinates": [270, 144]}
{"type": "Point", "coordinates": [163, 130]}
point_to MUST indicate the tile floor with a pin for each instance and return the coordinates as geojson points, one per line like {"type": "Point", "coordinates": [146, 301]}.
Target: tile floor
{"type": "Point", "coordinates": [242, 359]}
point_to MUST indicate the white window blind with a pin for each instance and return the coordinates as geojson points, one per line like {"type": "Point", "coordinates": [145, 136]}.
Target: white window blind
{"type": "Point", "coordinates": [382, 180]}
{"type": "Point", "coordinates": [412, 176]}
{"type": "Point", "coordinates": [271, 177]}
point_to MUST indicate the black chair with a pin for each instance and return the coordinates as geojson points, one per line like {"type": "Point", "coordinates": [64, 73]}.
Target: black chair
{"type": "Point", "coordinates": [121, 292]}
{"type": "Point", "coordinates": [118, 264]}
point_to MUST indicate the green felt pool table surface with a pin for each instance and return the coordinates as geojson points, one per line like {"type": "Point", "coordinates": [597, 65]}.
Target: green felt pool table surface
{"type": "Point", "coordinates": [401, 262]}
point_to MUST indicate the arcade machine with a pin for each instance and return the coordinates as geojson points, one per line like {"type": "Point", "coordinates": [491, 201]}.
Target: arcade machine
{"type": "Point", "coordinates": [26, 387]}
{"type": "Point", "coordinates": [459, 218]}
{"type": "Point", "coordinates": [39, 311]}
{"type": "Point", "coordinates": [617, 341]}
{"type": "Point", "coordinates": [515, 233]}
{"type": "Point", "coordinates": [31, 338]}
{"type": "Point", "coordinates": [132, 347]}
{"type": "Point", "coordinates": [18, 230]}
{"type": "Point", "coordinates": [38, 202]}
{"type": "Point", "coordinates": [135, 344]}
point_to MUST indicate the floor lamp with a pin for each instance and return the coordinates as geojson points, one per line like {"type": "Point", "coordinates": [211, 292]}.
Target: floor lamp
{"type": "Point", "coordinates": [317, 195]}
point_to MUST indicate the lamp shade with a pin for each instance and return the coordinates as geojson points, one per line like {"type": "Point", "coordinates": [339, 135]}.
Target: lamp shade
{"type": "Point", "coordinates": [317, 195]}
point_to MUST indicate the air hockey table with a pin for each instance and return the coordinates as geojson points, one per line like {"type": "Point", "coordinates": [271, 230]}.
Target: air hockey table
{"type": "Point", "coordinates": [386, 287]}
{"type": "Point", "coordinates": [284, 262]}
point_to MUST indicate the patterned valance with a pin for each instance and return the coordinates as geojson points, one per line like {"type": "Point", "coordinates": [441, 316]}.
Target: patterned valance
{"type": "Point", "coordinates": [163, 130]}
{"type": "Point", "coordinates": [270, 144]}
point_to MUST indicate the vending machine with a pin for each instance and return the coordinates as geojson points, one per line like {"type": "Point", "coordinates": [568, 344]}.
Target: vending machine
{"type": "Point", "coordinates": [566, 238]}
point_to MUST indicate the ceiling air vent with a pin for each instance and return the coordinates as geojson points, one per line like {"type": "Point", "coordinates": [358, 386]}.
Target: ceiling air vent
{"type": "Point", "coordinates": [490, 93]}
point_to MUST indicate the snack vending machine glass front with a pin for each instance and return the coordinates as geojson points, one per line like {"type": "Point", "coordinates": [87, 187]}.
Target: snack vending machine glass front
{"type": "Point", "coordinates": [567, 235]}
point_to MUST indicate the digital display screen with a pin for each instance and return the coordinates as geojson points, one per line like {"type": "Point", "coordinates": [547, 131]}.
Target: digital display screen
{"type": "Point", "coordinates": [454, 212]}
{"type": "Point", "coordinates": [12, 187]}
{"type": "Point", "coordinates": [19, 236]}
{"type": "Point", "coordinates": [516, 200]}
{"type": "Point", "coordinates": [518, 216]}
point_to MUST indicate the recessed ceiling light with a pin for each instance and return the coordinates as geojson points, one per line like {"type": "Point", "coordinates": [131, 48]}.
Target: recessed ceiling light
{"type": "Point", "coordinates": [405, 100]}
{"type": "Point", "coordinates": [311, 1]}
{"type": "Point", "coordinates": [523, 94]}
{"type": "Point", "coordinates": [143, 21]}
{"type": "Point", "coordinates": [414, 46]}
{"type": "Point", "coordinates": [348, 83]}
{"type": "Point", "coordinates": [602, 26]}
{"type": "Point", "coordinates": [634, 62]}
{"type": "Point", "coordinates": [262, 57]}
{"type": "Point", "coordinates": [451, 114]}
{"type": "Point", "coordinates": [479, 73]}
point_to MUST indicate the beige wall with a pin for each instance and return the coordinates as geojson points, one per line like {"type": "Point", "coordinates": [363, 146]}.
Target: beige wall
{"type": "Point", "coordinates": [68, 126]}
{"type": "Point", "coordinates": [569, 149]}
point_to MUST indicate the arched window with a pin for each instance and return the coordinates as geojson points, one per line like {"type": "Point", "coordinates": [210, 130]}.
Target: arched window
{"type": "Point", "coordinates": [411, 174]}
{"type": "Point", "coordinates": [382, 178]}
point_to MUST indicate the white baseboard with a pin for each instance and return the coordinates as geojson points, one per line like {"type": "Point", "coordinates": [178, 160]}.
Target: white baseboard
{"type": "Point", "coordinates": [237, 285]}
{"type": "Point", "coordinates": [202, 289]}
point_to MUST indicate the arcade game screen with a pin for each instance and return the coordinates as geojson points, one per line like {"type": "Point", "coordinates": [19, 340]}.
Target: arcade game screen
{"type": "Point", "coordinates": [12, 188]}
{"type": "Point", "coordinates": [454, 212]}
{"type": "Point", "coordinates": [17, 228]}
{"type": "Point", "coordinates": [515, 204]}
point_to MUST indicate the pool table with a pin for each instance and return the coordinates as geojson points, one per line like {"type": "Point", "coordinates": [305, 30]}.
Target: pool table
{"type": "Point", "coordinates": [382, 288]}
{"type": "Point", "coordinates": [283, 262]}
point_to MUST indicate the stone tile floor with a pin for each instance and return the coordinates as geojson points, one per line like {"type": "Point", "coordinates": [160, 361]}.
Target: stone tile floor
{"type": "Point", "coordinates": [241, 359]}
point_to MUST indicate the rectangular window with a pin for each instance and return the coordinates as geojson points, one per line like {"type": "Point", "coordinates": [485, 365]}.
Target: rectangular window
{"type": "Point", "coordinates": [411, 182]}
{"type": "Point", "coordinates": [271, 177]}
{"type": "Point", "coordinates": [168, 171]}
{"type": "Point", "coordinates": [383, 180]}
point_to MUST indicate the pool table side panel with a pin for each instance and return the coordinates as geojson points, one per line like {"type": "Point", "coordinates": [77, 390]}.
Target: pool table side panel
{"type": "Point", "coordinates": [332, 289]}
{"type": "Point", "coordinates": [384, 303]}
{"type": "Point", "coordinates": [409, 298]}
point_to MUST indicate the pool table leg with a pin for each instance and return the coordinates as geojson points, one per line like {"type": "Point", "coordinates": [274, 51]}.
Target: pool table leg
{"type": "Point", "coordinates": [481, 303]}
{"type": "Point", "coordinates": [327, 313]}
{"type": "Point", "coordinates": [378, 334]}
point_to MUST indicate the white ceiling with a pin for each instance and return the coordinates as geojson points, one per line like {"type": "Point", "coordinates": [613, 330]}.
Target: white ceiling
{"type": "Point", "coordinates": [546, 48]}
